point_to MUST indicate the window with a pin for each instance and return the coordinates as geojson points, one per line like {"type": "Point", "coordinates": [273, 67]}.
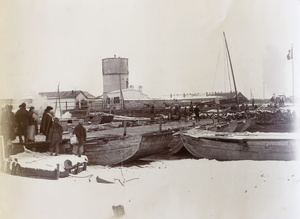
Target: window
{"type": "Point", "coordinates": [116, 99]}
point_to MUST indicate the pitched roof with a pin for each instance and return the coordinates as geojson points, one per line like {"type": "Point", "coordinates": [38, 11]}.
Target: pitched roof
{"type": "Point", "coordinates": [67, 94]}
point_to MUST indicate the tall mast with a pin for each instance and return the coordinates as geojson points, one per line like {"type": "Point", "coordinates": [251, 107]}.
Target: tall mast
{"type": "Point", "coordinates": [121, 94]}
{"type": "Point", "coordinates": [236, 94]}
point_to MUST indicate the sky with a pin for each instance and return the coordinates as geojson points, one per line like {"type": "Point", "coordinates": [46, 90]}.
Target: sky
{"type": "Point", "coordinates": [172, 46]}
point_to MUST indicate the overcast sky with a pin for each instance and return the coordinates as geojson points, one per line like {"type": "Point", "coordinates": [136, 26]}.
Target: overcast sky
{"type": "Point", "coordinates": [172, 46]}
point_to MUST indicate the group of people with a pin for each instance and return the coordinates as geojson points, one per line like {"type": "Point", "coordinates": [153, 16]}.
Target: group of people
{"type": "Point", "coordinates": [52, 129]}
{"type": "Point", "coordinates": [24, 125]}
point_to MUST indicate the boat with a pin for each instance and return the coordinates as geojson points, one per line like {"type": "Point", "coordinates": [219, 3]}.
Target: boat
{"type": "Point", "coordinates": [243, 125]}
{"type": "Point", "coordinates": [99, 117]}
{"type": "Point", "coordinates": [226, 146]}
{"type": "Point", "coordinates": [227, 124]}
{"type": "Point", "coordinates": [270, 119]}
{"type": "Point", "coordinates": [113, 149]}
{"type": "Point", "coordinates": [41, 165]}
{"type": "Point", "coordinates": [175, 145]}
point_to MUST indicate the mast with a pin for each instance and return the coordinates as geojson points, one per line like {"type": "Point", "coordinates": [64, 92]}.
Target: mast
{"type": "Point", "coordinates": [236, 94]}
{"type": "Point", "coordinates": [121, 94]}
{"type": "Point", "coordinates": [59, 105]}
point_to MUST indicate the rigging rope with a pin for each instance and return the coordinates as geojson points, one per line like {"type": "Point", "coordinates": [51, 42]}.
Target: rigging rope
{"type": "Point", "coordinates": [216, 68]}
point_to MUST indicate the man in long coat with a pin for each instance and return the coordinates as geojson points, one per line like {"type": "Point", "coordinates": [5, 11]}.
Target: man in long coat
{"type": "Point", "coordinates": [8, 127]}
{"type": "Point", "coordinates": [46, 122]}
{"type": "Point", "coordinates": [22, 122]}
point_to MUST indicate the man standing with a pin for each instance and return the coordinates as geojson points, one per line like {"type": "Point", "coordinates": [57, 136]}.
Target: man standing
{"type": "Point", "coordinates": [196, 111]}
{"type": "Point", "coordinates": [32, 122]}
{"type": "Point", "coordinates": [55, 136]}
{"type": "Point", "coordinates": [46, 122]}
{"type": "Point", "coordinates": [22, 122]}
{"type": "Point", "coordinates": [80, 133]}
{"type": "Point", "coordinates": [8, 127]}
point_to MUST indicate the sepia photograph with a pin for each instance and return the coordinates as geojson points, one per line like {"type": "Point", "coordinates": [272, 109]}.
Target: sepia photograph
{"type": "Point", "coordinates": [153, 109]}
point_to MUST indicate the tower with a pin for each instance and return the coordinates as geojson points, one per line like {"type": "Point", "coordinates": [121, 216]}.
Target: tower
{"type": "Point", "coordinates": [115, 74]}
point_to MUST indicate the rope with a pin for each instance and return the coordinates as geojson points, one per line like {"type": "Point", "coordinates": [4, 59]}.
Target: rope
{"type": "Point", "coordinates": [216, 68]}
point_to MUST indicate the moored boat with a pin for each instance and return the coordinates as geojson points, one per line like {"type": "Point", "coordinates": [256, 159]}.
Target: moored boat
{"type": "Point", "coordinates": [241, 146]}
{"type": "Point", "coordinates": [42, 165]}
{"type": "Point", "coordinates": [112, 150]}
{"type": "Point", "coordinates": [243, 125]}
{"type": "Point", "coordinates": [155, 143]}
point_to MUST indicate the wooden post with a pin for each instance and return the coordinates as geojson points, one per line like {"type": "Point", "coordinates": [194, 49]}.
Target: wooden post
{"type": "Point", "coordinates": [13, 168]}
{"type": "Point", "coordinates": [77, 168]}
{"type": "Point", "coordinates": [160, 124]}
{"type": "Point", "coordinates": [218, 116]}
{"type": "Point", "coordinates": [125, 124]}
{"type": "Point", "coordinates": [57, 171]}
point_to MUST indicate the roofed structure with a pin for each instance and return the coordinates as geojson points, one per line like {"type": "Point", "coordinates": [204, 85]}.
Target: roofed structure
{"type": "Point", "coordinates": [67, 94]}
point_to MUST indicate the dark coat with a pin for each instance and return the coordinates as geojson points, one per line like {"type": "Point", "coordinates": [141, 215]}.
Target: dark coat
{"type": "Point", "coordinates": [22, 121]}
{"type": "Point", "coordinates": [55, 132]}
{"type": "Point", "coordinates": [46, 124]}
{"type": "Point", "coordinates": [9, 125]}
{"type": "Point", "coordinates": [80, 133]}
{"type": "Point", "coordinates": [22, 118]}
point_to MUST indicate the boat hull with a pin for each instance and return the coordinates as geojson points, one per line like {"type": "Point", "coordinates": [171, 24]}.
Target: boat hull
{"type": "Point", "coordinates": [153, 144]}
{"type": "Point", "coordinates": [243, 125]}
{"type": "Point", "coordinates": [175, 144]}
{"type": "Point", "coordinates": [223, 148]}
{"type": "Point", "coordinates": [111, 151]}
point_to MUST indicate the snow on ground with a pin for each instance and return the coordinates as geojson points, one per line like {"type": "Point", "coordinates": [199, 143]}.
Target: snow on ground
{"type": "Point", "coordinates": [186, 188]}
{"type": "Point", "coordinates": [44, 161]}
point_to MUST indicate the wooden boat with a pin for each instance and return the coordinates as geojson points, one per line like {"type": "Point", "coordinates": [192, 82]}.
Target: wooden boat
{"type": "Point", "coordinates": [273, 127]}
{"type": "Point", "coordinates": [270, 119]}
{"type": "Point", "coordinates": [175, 144]}
{"type": "Point", "coordinates": [112, 150]}
{"type": "Point", "coordinates": [242, 125]}
{"type": "Point", "coordinates": [156, 143]}
{"type": "Point", "coordinates": [241, 146]}
{"type": "Point", "coordinates": [38, 146]}
{"type": "Point", "coordinates": [220, 127]}
{"type": "Point", "coordinates": [42, 165]}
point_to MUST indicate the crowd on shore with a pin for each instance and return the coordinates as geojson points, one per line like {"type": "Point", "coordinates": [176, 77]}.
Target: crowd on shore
{"type": "Point", "coordinates": [25, 125]}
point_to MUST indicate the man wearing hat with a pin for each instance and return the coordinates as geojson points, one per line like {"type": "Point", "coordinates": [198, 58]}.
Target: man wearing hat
{"type": "Point", "coordinates": [80, 133]}
{"type": "Point", "coordinates": [46, 122]}
{"type": "Point", "coordinates": [22, 122]}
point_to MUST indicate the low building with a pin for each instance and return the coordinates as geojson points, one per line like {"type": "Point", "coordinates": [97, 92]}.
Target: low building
{"type": "Point", "coordinates": [118, 98]}
{"type": "Point", "coordinates": [68, 100]}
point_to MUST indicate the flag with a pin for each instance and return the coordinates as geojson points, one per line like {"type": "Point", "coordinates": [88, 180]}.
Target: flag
{"type": "Point", "coordinates": [290, 54]}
